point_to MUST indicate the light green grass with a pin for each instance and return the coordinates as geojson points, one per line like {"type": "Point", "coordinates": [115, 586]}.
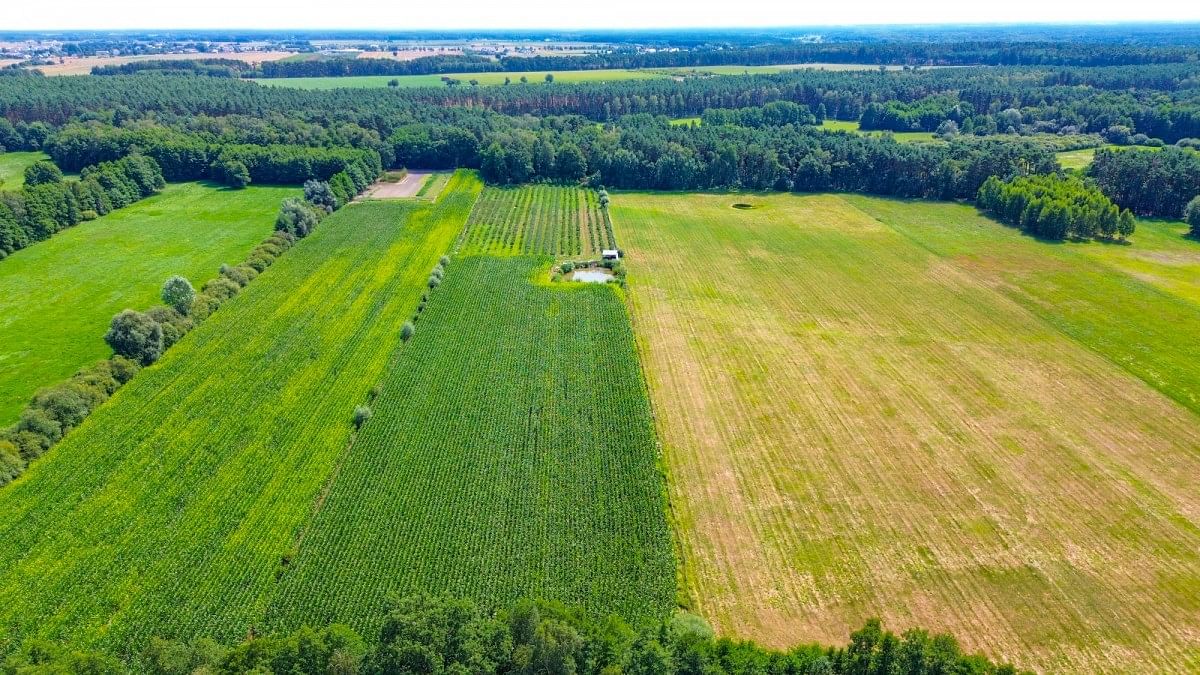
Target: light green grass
{"type": "Point", "coordinates": [874, 407]}
{"type": "Point", "coordinates": [685, 121]}
{"type": "Point", "coordinates": [485, 79]}
{"type": "Point", "coordinates": [58, 296]}
{"type": "Point", "coordinates": [169, 510]}
{"type": "Point", "coordinates": [1078, 159]}
{"type": "Point", "coordinates": [12, 167]}
{"type": "Point", "coordinates": [900, 136]}
{"type": "Point", "coordinates": [511, 454]}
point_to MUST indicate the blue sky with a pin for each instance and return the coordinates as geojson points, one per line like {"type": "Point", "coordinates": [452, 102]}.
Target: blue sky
{"type": "Point", "coordinates": [413, 14]}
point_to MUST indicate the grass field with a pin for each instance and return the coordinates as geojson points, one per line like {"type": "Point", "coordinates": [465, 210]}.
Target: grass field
{"type": "Point", "coordinates": [58, 296]}
{"type": "Point", "coordinates": [170, 510]}
{"type": "Point", "coordinates": [484, 79]}
{"type": "Point", "coordinates": [12, 167]}
{"type": "Point", "coordinates": [900, 136]}
{"type": "Point", "coordinates": [537, 220]}
{"type": "Point", "coordinates": [873, 407]}
{"type": "Point", "coordinates": [511, 455]}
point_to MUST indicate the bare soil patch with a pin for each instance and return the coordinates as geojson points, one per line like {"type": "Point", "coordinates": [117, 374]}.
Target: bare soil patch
{"type": "Point", "coordinates": [408, 186]}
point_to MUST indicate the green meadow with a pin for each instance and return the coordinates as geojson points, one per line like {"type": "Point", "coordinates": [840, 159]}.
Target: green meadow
{"type": "Point", "coordinates": [58, 296]}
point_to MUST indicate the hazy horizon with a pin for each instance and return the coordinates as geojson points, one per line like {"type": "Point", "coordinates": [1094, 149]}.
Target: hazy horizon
{"type": "Point", "coordinates": [474, 15]}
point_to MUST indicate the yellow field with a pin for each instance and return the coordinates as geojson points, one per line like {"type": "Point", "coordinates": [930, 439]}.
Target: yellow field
{"type": "Point", "coordinates": [880, 408]}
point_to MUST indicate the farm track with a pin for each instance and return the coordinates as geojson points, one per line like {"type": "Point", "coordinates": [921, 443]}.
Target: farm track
{"type": "Point", "coordinates": [188, 487]}
{"type": "Point", "coordinates": [901, 409]}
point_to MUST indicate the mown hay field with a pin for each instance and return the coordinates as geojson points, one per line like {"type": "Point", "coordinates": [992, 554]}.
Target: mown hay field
{"type": "Point", "coordinates": [874, 407]}
{"type": "Point", "coordinates": [171, 509]}
{"type": "Point", "coordinates": [58, 296]}
{"type": "Point", "coordinates": [511, 454]}
{"type": "Point", "coordinates": [537, 220]}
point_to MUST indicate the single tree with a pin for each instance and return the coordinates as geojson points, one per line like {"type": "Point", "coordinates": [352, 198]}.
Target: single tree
{"type": "Point", "coordinates": [178, 293]}
{"type": "Point", "coordinates": [40, 173]}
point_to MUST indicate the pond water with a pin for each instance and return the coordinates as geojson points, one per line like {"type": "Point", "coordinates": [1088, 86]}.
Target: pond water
{"type": "Point", "coordinates": [592, 276]}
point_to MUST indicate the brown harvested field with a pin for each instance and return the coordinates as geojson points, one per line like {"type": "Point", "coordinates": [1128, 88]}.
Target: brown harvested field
{"type": "Point", "coordinates": [82, 65]}
{"type": "Point", "coordinates": [408, 186]}
{"type": "Point", "coordinates": [871, 407]}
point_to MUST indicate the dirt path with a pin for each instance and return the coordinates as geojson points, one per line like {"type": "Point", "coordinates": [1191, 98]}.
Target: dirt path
{"type": "Point", "coordinates": [405, 187]}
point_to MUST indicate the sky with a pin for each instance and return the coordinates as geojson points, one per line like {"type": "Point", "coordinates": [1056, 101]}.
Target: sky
{"type": "Point", "coordinates": [503, 14]}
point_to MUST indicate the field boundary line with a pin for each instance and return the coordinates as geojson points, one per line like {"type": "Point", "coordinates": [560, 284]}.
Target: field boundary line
{"type": "Point", "coordinates": [684, 597]}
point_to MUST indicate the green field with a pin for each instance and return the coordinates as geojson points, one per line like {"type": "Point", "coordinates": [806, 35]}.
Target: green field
{"type": "Point", "coordinates": [484, 79]}
{"type": "Point", "coordinates": [511, 455]}
{"type": "Point", "coordinates": [58, 296]}
{"type": "Point", "coordinates": [171, 508]}
{"type": "Point", "coordinates": [875, 407]}
{"type": "Point", "coordinates": [12, 167]}
{"type": "Point", "coordinates": [537, 220]}
{"type": "Point", "coordinates": [900, 136]}
{"type": "Point", "coordinates": [685, 121]}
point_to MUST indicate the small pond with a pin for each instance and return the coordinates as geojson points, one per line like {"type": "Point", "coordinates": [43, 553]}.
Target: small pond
{"type": "Point", "coordinates": [592, 276]}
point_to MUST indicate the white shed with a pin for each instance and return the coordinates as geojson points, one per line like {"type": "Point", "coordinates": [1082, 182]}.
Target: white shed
{"type": "Point", "coordinates": [610, 254]}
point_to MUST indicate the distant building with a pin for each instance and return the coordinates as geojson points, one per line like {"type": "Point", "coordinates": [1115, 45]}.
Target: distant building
{"type": "Point", "coordinates": [610, 254]}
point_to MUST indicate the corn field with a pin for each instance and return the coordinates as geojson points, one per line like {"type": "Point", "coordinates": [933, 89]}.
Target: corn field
{"type": "Point", "coordinates": [511, 455]}
{"type": "Point", "coordinates": [537, 220]}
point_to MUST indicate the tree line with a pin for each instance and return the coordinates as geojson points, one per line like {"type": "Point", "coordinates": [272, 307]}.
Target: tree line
{"type": "Point", "coordinates": [49, 203]}
{"type": "Point", "coordinates": [1055, 207]}
{"type": "Point", "coordinates": [1150, 183]}
{"type": "Point", "coordinates": [437, 634]}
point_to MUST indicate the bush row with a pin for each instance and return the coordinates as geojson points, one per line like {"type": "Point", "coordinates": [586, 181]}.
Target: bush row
{"type": "Point", "coordinates": [48, 203]}
{"type": "Point", "coordinates": [140, 338]}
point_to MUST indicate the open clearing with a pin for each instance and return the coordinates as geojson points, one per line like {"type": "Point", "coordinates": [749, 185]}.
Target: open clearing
{"type": "Point", "coordinates": [874, 407]}
{"type": "Point", "coordinates": [12, 167]}
{"type": "Point", "coordinates": [58, 296]}
{"type": "Point", "coordinates": [511, 455]}
{"type": "Point", "coordinates": [164, 514]}
{"type": "Point", "coordinates": [407, 186]}
{"type": "Point", "coordinates": [900, 136]}
{"type": "Point", "coordinates": [535, 78]}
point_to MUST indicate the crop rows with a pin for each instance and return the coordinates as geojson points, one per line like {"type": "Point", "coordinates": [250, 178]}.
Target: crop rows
{"type": "Point", "coordinates": [511, 454]}
{"type": "Point", "coordinates": [537, 220]}
{"type": "Point", "coordinates": [169, 511]}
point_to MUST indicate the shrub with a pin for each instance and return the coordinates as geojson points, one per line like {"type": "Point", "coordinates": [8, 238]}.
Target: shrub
{"type": "Point", "coordinates": [178, 293]}
{"type": "Point", "coordinates": [295, 217]}
{"type": "Point", "coordinates": [240, 275]}
{"type": "Point", "coordinates": [221, 288]}
{"type": "Point", "coordinates": [320, 194]}
{"type": "Point", "coordinates": [407, 331]}
{"type": "Point", "coordinates": [567, 267]}
{"type": "Point", "coordinates": [1191, 215]}
{"type": "Point", "coordinates": [135, 335]}
{"type": "Point", "coordinates": [361, 414]}
{"type": "Point", "coordinates": [434, 281]}
{"type": "Point", "coordinates": [174, 325]}
{"type": "Point", "coordinates": [232, 173]}
{"type": "Point", "coordinates": [204, 306]}
{"type": "Point", "coordinates": [11, 464]}
{"type": "Point", "coordinates": [444, 260]}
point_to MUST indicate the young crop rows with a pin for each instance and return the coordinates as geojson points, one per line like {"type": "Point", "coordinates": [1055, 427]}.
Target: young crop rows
{"type": "Point", "coordinates": [537, 220]}
{"type": "Point", "coordinates": [510, 455]}
{"type": "Point", "coordinates": [172, 509]}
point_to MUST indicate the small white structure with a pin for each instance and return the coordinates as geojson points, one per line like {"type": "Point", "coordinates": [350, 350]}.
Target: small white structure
{"type": "Point", "coordinates": [610, 254]}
